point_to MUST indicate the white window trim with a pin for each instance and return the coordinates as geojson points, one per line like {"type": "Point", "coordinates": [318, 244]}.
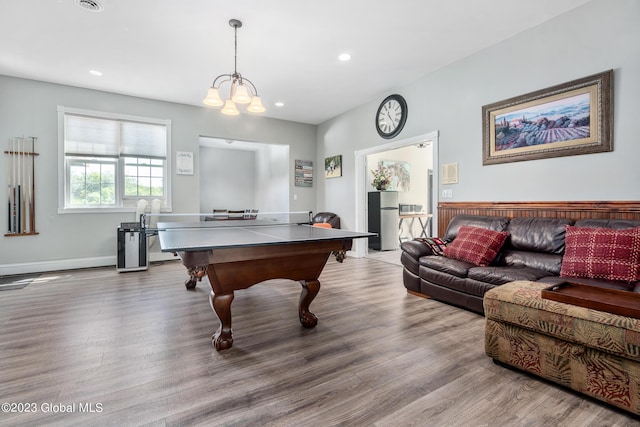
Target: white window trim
{"type": "Point", "coordinates": [167, 206]}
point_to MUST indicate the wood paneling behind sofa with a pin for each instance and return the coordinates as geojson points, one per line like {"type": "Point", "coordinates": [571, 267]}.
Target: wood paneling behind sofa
{"type": "Point", "coordinates": [571, 210]}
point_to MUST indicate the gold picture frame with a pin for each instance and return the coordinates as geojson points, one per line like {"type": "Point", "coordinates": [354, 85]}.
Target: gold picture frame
{"type": "Point", "coordinates": [564, 120]}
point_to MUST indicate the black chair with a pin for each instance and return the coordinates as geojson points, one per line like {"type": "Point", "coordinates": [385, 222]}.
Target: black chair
{"type": "Point", "coordinates": [328, 217]}
{"type": "Point", "coordinates": [333, 220]}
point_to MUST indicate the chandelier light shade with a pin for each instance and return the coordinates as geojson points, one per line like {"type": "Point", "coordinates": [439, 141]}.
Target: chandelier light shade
{"type": "Point", "coordinates": [241, 90]}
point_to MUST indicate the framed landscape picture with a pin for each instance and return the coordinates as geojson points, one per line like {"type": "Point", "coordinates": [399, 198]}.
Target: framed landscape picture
{"type": "Point", "coordinates": [563, 120]}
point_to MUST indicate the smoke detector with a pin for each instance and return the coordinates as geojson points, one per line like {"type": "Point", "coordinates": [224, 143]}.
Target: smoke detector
{"type": "Point", "coordinates": [91, 5]}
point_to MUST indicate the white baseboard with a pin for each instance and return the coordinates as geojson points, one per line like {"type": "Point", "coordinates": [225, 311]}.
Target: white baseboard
{"type": "Point", "coordinates": [72, 264]}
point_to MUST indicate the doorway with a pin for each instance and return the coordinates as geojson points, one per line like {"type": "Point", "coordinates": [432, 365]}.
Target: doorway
{"type": "Point", "coordinates": [242, 175]}
{"type": "Point", "coordinates": [424, 144]}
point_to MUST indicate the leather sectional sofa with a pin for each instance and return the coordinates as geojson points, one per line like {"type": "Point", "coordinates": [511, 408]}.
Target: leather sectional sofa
{"type": "Point", "coordinates": [533, 251]}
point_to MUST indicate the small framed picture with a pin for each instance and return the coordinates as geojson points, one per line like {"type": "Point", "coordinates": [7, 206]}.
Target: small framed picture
{"type": "Point", "coordinates": [333, 166]}
{"type": "Point", "coordinates": [304, 173]}
{"type": "Point", "coordinates": [184, 163]}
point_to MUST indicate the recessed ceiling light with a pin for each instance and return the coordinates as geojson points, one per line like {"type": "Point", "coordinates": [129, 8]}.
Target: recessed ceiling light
{"type": "Point", "coordinates": [279, 104]}
{"type": "Point", "coordinates": [91, 5]}
{"type": "Point", "coordinates": [95, 73]}
{"type": "Point", "coordinates": [344, 57]}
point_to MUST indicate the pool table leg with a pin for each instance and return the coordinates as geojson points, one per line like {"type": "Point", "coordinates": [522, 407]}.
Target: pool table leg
{"type": "Point", "coordinates": [221, 305]}
{"type": "Point", "coordinates": [310, 289]}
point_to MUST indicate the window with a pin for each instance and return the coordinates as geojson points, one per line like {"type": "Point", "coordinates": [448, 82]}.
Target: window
{"type": "Point", "coordinates": [92, 183]}
{"type": "Point", "coordinates": [111, 161]}
{"type": "Point", "coordinates": [143, 177]}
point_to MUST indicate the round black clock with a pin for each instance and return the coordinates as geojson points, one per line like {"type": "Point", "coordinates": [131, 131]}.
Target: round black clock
{"type": "Point", "coordinates": [391, 116]}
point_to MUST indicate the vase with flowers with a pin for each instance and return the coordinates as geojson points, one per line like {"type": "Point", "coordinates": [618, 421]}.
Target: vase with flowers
{"type": "Point", "coordinates": [381, 178]}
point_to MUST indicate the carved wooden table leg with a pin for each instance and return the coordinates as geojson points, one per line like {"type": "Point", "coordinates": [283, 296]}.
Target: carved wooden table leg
{"type": "Point", "coordinates": [221, 305]}
{"type": "Point", "coordinates": [310, 289]}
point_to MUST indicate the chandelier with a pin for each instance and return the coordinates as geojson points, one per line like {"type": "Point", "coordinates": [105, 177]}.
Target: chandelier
{"type": "Point", "coordinates": [242, 91]}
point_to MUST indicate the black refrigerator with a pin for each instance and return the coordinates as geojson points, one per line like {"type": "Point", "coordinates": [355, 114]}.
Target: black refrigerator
{"type": "Point", "coordinates": [383, 215]}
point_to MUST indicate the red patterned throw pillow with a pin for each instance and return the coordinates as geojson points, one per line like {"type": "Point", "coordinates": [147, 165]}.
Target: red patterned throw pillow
{"type": "Point", "coordinates": [476, 245]}
{"type": "Point", "coordinates": [602, 253]}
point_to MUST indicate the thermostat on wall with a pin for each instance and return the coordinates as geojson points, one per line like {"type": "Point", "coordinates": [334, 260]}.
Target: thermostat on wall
{"type": "Point", "coordinates": [449, 173]}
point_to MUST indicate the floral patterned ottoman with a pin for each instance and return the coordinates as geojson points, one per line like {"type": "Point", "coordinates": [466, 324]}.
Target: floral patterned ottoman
{"type": "Point", "coordinates": [593, 352]}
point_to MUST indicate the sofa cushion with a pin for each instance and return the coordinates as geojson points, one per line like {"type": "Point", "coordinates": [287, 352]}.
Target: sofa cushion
{"type": "Point", "coordinates": [478, 246]}
{"type": "Point", "coordinates": [497, 223]}
{"type": "Point", "coordinates": [538, 234]}
{"type": "Point", "coordinates": [538, 260]}
{"type": "Point", "coordinates": [602, 253]}
{"type": "Point", "coordinates": [617, 224]}
{"type": "Point", "coordinates": [504, 274]}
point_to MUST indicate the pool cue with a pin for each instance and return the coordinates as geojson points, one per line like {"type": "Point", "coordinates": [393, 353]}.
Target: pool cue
{"type": "Point", "coordinates": [27, 198]}
{"type": "Point", "coordinates": [9, 187]}
{"type": "Point", "coordinates": [21, 229]}
{"type": "Point", "coordinates": [13, 184]}
{"type": "Point", "coordinates": [25, 225]}
{"type": "Point", "coordinates": [32, 184]}
{"type": "Point", "coordinates": [27, 221]}
{"type": "Point", "coordinates": [19, 185]}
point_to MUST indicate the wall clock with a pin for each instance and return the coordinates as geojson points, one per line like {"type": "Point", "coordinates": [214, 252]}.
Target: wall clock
{"type": "Point", "coordinates": [391, 116]}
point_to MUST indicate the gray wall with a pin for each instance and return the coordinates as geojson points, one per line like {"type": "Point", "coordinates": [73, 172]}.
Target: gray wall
{"type": "Point", "coordinates": [227, 179]}
{"type": "Point", "coordinates": [596, 37]}
{"type": "Point", "coordinates": [273, 181]}
{"type": "Point", "coordinates": [28, 108]}
{"type": "Point", "coordinates": [245, 179]}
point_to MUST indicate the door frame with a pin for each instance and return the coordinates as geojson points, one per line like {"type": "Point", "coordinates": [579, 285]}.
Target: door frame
{"type": "Point", "coordinates": [360, 245]}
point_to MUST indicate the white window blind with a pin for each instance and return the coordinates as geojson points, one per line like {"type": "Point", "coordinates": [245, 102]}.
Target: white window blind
{"type": "Point", "coordinates": [143, 140]}
{"type": "Point", "coordinates": [91, 136]}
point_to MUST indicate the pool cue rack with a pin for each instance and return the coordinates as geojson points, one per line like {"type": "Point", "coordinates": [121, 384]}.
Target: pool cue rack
{"type": "Point", "coordinates": [21, 186]}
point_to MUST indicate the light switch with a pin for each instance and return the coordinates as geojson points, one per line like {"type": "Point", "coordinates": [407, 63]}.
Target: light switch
{"type": "Point", "coordinates": [447, 194]}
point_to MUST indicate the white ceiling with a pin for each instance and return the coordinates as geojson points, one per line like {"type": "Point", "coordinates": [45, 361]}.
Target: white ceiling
{"type": "Point", "coordinates": [172, 50]}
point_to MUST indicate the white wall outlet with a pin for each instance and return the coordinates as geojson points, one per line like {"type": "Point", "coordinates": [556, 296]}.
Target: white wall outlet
{"type": "Point", "coordinates": [447, 194]}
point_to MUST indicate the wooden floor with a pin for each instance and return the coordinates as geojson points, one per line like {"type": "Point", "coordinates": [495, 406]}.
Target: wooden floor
{"type": "Point", "coordinates": [135, 348]}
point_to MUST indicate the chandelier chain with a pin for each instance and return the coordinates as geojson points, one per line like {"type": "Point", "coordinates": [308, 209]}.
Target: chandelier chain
{"type": "Point", "coordinates": [235, 48]}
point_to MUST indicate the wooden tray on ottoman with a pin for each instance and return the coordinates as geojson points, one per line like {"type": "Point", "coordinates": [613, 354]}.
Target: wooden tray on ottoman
{"type": "Point", "coordinates": [622, 303]}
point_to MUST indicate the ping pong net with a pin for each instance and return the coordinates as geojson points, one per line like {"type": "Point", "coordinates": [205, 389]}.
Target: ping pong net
{"type": "Point", "coordinates": [248, 218]}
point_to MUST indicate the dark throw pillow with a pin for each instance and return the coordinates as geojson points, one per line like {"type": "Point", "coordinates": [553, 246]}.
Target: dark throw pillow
{"type": "Point", "coordinates": [476, 245]}
{"type": "Point", "coordinates": [602, 253]}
